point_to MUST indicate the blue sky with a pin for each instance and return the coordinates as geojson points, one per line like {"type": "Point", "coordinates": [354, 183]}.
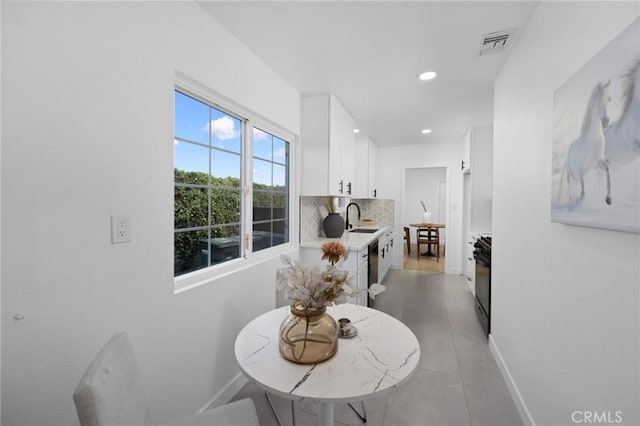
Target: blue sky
{"type": "Point", "coordinates": [200, 123]}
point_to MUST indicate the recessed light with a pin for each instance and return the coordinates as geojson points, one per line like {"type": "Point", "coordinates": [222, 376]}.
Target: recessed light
{"type": "Point", "coordinates": [356, 130]}
{"type": "Point", "coordinates": [426, 131]}
{"type": "Point", "coordinates": [429, 75]}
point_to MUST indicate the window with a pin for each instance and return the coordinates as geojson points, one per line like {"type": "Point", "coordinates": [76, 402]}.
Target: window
{"type": "Point", "coordinates": [270, 190]}
{"type": "Point", "coordinates": [211, 155]}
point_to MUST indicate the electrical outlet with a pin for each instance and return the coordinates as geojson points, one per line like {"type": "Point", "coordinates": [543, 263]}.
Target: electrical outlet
{"type": "Point", "coordinates": [120, 229]}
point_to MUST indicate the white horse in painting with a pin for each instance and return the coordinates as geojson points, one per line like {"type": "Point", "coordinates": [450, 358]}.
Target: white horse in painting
{"type": "Point", "coordinates": [623, 136]}
{"type": "Point", "coordinates": [587, 151]}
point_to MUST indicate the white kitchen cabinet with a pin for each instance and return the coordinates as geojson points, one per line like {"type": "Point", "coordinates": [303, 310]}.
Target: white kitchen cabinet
{"type": "Point", "coordinates": [366, 168]}
{"type": "Point", "coordinates": [356, 264]}
{"type": "Point", "coordinates": [468, 262]}
{"type": "Point", "coordinates": [361, 280]}
{"type": "Point", "coordinates": [385, 254]}
{"type": "Point", "coordinates": [479, 181]}
{"type": "Point", "coordinates": [466, 153]}
{"type": "Point", "coordinates": [372, 187]}
{"type": "Point", "coordinates": [477, 195]}
{"type": "Point", "coordinates": [347, 160]}
{"type": "Point", "coordinates": [327, 146]}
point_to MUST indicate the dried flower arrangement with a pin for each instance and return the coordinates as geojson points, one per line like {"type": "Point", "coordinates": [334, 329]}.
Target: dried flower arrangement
{"type": "Point", "coordinates": [311, 288]}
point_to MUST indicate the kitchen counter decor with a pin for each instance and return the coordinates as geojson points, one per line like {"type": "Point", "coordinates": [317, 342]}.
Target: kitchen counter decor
{"type": "Point", "coordinates": [333, 225]}
{"type": "Point", "coordinates": [309, 335]}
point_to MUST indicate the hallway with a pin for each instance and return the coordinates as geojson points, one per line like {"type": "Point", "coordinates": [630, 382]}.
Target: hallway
{"type": "Point", "coordinates": [422, 263]}
{"type": "Point", "coordinates": [457, 382]}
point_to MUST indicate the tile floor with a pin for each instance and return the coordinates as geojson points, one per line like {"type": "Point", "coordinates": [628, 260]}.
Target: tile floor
{"type": "Point", "coordinates": [457, 382]}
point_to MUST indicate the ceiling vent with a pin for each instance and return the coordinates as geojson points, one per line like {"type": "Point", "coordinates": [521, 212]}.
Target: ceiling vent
{"type": "Point", "coordinates": [495, 42]}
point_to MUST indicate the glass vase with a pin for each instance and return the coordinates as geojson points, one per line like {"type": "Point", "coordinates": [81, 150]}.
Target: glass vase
{"type": "Point", "coordinates": [308, 335]}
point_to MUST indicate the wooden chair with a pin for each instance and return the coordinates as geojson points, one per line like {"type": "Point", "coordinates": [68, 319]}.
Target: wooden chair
{"type": "Point", "coordinates": [407, 237]}
{"type": "Point", "coordinates": [429, 237]}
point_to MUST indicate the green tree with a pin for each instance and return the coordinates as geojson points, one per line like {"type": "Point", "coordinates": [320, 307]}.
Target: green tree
{"type": "Point", "coordinates": [192, 199]}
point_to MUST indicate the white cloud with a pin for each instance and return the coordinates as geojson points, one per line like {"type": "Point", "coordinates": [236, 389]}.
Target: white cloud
{"type": "Point", "coordinates": [259, 134]}
{"type": "Point", "coordinates": [223, 128]}
{"type": "Point", "coordinates": [176, 142]}
{"type": "Point", "coordinates": [280, 153]}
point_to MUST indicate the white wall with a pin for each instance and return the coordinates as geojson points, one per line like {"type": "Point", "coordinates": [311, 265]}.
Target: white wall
{"type": "Point", "coordinates": [88, 132]}
{"type": "Point", "coordinates": [422, 185]}
{"type": "Point", "coordinates": [394, 161]}
{"type": "Point", "coordinates": [565, 299]}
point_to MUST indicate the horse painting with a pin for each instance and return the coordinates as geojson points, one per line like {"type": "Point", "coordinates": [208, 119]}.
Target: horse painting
{"type": "Point", "coordinates": [595, 162]}
{"type": "Point", "coordinates": [623, 136]}
{"type": "Point", "coordinates": [586, 153]}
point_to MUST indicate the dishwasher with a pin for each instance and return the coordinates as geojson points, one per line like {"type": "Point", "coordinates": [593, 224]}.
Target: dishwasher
{"type": "Point", "coordinates": [373, 267]}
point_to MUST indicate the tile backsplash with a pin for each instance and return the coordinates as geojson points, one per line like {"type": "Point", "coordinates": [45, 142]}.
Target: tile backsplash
{"type": "Point", "coordinates": [313, 210]}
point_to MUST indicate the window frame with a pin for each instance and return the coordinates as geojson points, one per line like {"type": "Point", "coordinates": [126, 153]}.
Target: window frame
{"type": "Point", "coordinates": [249, 120]}
{"type": "Point", "coordinates": [272, 163]}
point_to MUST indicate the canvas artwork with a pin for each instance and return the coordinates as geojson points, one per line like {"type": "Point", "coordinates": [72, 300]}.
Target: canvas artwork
{"type": "Point", "coordinates": [596, 140]}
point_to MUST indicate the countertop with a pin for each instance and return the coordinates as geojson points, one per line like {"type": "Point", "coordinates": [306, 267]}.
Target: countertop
{"type": "Point", "coordinates": [352, 240]}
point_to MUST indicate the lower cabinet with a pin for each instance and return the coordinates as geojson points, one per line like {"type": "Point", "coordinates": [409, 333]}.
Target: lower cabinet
{"type": "Point", "coordinates": [469, 263]}
{"type": "Point", "coordinates": [356, 264]}
{"type": "Point", "coordinates": [360, 279]}
{"type": "Point", "coordinates": [385, 254]}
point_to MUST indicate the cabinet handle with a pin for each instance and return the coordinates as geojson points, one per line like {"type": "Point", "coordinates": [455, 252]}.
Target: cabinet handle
{"type": "Point", "coordinates": [341, 186]}
{"type": "Point", "coordinates": [375, 192]}
{"type": "Point", "coordinates": [392, 242]}
{"type": "Point", "coordinates": [349, 188]}
{"type": "Point", "coordinates": [383, 252]}
{"type": "Point", "coordinates": [462, 165]}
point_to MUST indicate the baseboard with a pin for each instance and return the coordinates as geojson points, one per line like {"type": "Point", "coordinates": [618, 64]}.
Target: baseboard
{"type": "Point", "coordinates": [226, 393]}
{"type": "Point", "coordinates": [511, 385]}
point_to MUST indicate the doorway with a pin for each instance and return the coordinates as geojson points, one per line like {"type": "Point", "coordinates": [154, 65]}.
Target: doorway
{"type": "Point", "coordinates": [425, 188]}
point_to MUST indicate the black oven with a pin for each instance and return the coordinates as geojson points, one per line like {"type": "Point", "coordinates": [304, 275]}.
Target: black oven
{"type": "Point", "coordinates": [482, 255]}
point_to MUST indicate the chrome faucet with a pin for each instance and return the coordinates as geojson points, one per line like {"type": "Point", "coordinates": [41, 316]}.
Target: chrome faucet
{"type": "Point", "coordinates": [348, 225]}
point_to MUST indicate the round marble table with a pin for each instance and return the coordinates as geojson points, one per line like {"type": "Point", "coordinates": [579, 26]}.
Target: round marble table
{"type": "Point", "coordinates": [381, 357]}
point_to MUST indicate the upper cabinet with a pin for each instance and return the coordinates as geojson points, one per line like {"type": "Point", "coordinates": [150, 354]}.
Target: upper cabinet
{"type": "Point", "coordinates": [327, 147]}
{"type": "Point", "coordinates": [366, 168]}
{"type": "Point", "coordinates": [466, 153]}
{"type": "Point", "coordinates": [480, 181]}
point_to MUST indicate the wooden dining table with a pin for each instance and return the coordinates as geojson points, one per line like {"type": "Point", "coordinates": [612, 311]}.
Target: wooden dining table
{"type": "Point", "coordinates": [427, 226]}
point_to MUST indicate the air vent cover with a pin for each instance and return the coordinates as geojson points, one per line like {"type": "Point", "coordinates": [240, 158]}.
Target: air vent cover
{"type": "Point", "coordinates": [495, 42]}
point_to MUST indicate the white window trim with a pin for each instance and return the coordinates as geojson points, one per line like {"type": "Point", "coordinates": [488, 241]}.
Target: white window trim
{"type": "Point", "coordinates": [189, 86]}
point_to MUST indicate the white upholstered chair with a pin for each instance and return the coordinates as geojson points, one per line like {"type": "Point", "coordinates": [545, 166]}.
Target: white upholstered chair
{"type": "Point", "coordinates": [110, 393]}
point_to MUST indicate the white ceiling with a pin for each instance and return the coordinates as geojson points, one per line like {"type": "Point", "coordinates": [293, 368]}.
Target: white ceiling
{"type": "Point", "coordinates": [369, 54]}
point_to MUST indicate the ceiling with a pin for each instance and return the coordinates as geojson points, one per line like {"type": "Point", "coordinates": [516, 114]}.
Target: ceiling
{"type": "Point", "coordinates": [369, 54]}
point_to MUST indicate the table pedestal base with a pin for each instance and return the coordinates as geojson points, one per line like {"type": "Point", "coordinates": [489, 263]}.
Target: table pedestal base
{"type": "Point", "coordinates": [362, 416]}
{"type": "Point", "coordinates": [326, 415]}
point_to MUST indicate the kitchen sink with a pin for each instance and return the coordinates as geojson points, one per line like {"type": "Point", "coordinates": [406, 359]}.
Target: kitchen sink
{"type": "Point", "coordinates": [364, 230]}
